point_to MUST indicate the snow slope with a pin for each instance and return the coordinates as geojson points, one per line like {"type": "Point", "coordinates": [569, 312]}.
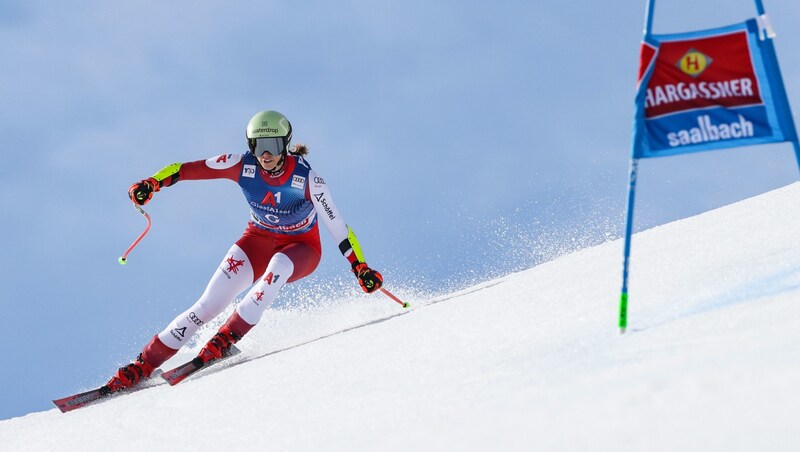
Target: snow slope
{"type": "Point", "coordinates": [531, 361]}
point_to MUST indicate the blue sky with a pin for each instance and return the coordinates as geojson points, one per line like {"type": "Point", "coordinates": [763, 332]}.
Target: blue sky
{"type": "Point", "coordinates": [461, 140]}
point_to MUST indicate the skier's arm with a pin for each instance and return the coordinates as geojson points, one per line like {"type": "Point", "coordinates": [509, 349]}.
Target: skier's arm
{"type": "Point", "coordinates": [369, 279]}
{"type": "Point", "coordinates": [226, 166]}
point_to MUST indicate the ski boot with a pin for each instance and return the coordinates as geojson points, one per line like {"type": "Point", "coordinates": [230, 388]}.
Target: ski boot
{"type": "Point", "coordinates": [219, 345]}
{"type": "Point", "coordinates": [153, 355]}
{"type": "Point", "coordinates": [129, 375]}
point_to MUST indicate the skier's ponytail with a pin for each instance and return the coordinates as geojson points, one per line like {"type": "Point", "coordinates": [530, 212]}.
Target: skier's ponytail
{"type": "Point", "coordinates": [299, 149]}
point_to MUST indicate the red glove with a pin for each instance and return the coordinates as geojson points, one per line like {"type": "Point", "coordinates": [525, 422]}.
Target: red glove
{"type": "Point", "coordinates": [369, 279]}
{"type": "Point", "coordinates": [142, 191]}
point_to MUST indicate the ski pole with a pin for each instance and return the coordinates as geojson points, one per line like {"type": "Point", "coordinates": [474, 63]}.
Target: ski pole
{"type": "Point", "coordinates": [124, 258]}
{"type": "Point", "coordinates": [390, 295]}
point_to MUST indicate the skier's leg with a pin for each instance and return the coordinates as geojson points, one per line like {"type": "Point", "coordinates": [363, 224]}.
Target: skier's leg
{"type": "Point", "coordinates": [232, 277]}
{"type": "Point", "coordinates": [293, 262]}
{"type": "Point", "coordinates": [234, 274]}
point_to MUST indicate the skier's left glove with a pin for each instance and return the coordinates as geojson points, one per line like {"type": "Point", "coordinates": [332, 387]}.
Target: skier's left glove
{"type": "Point", "coordinates": [369, 279]}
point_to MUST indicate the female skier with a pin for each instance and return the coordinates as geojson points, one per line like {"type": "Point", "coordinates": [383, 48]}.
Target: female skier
{"type": "Point", "coordinates": [280, 244]}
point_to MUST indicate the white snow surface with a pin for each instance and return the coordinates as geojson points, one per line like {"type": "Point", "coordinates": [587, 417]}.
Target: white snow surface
{"type": "Point", "coordinates": [530, 361]}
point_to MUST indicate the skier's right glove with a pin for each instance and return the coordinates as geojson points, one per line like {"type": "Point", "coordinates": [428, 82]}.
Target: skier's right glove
{"type": "Point", "coordinates": [369, 279]}
{"type": "Point", "coordinates": [142, 191]}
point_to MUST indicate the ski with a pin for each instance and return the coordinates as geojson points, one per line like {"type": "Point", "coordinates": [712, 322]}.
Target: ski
{"type": "Point", "coordinates": [188, 369]}
{"type": "Point", "coordinates": [82, 399]}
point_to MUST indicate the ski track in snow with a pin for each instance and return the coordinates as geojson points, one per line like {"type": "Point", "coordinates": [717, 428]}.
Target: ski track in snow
{"type": "Point", "coordinates": [243, 358]}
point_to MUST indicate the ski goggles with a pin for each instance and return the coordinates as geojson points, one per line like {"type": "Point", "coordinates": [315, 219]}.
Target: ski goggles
{"type": "Point", "coordinates": [273, 146]}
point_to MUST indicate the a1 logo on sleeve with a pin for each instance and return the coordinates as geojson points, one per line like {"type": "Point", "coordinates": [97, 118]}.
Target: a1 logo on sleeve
{"type": "Point", "coordinates": [223, 161]}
